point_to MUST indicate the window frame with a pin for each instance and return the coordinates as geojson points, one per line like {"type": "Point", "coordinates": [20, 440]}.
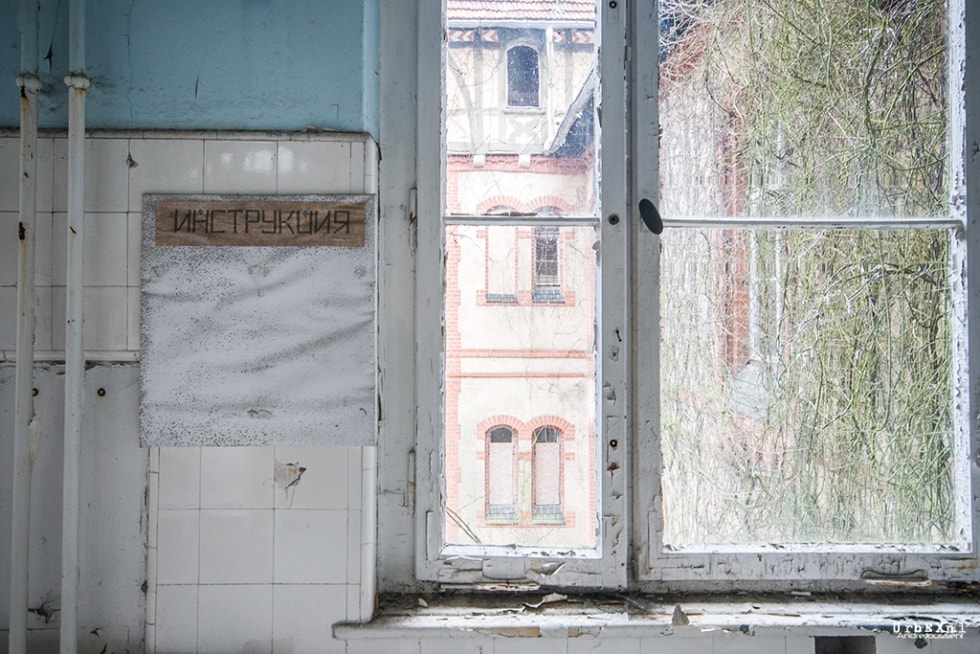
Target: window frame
{"type": "Point", "coordinates": [605, 567]}
{"type": "Point", "coordinates": [634, 516]}
{"type": "Point", "coordinates": [818, 567]}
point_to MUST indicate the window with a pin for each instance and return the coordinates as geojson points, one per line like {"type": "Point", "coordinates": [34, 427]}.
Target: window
{"type": "Point", "coordinates": [547, 476]}
{"type": "Point", "coordinates": [522, 76]}
{"type": "Point", "coordinates": [546, 282]}
{"type": "Point", "coordinates": [527, 359]}
{"type": "Point", "coordinates": [809, 229]}
{"type": "Point", "coordinates": [501, 475]}
{"type": "Point", "coordinates": [775, 392]}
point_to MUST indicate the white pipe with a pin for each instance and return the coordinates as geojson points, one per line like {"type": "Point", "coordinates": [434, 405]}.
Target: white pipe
{"type": "Point", "coordinates": [369, 530]}
{"type": "Point", "coordinates": [78, 85]}
{"type": "Point", "coordinates": [24, 445]}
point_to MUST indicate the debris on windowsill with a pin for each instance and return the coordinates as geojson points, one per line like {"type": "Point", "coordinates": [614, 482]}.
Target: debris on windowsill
{"type": "Point", "coordinates": [550, 598]}
{"type": "Point", "coordinates": [541, 613]}
{"type": "Point", "coordinates": [679, 618]}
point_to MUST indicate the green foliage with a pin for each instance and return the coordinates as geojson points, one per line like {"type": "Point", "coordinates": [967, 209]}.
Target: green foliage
{"type": "Point", "coordinates": [809, 371]}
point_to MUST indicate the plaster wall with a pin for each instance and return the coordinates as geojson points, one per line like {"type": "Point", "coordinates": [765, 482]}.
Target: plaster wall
{"type": "Point", "coordinates": [211, 65]}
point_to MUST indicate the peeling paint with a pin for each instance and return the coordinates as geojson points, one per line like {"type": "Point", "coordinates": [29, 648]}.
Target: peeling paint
{"type": "Point", "coordinates": [288, 475]}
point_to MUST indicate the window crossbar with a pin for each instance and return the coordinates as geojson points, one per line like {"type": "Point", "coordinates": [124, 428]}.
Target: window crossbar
{"type": "Point", "coordinates": [817, 222]}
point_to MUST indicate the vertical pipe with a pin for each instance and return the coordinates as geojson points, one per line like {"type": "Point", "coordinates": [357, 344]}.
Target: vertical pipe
{"type": "Point", "coordinates": [78, 85]}
{"type": "Point", "coordinates": [369, 530]}
{"type": "Point", "coordinates": [24, 445]}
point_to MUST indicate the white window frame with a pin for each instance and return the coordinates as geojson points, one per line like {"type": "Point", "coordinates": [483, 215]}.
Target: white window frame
{"type": "Point", "coordinates": [819, 566]}
{"type": "Point", "coordinates": [605, 566]}
{"type": "Point", "coordinates": [410, 492]}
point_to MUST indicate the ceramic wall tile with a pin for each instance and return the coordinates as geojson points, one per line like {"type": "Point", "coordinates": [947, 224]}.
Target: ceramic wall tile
{"type": "Point", "coordinates": [236, 546]}
{"type": "Point", "coordinates": [235, 619]}
{"type": "Point", "coordinates": [8, 319]}
{"type": "Point", "coordinates": [303, 616]}
{"type": "Point", "coordinates": [165, 166]}
{"type": "Point", "coordinates": [9, 174]}
{"type": "Point", "coordinates": [603, 645]}
{"type": "Point", "coordinates": [311, 546]}
{"type": "Point", "coordinates": [240, 167]}
{"type": "Point", "coordinates": [237, 477]}
{"type": "Point", "coordinates": [180, 478]}
{"type": "Point", "coordinates": [8, 244]}
{"type": "Point", "coordinates": [176, 619]}
{"type": "Point", "coordinates": [314, 167]}
{"type": "Point", "coordinates": [311, 477]}
{"type": "Point", "coordinates": [106, 189]}
{"type": "Point", "coordinates": [178, 533]}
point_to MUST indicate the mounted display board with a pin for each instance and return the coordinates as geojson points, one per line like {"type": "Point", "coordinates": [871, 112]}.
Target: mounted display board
{"type": "Point", "coordinates": [258, 320]}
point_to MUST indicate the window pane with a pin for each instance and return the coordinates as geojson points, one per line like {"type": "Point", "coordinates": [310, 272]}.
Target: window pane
{"type": "Point", "coordinates": [545, 258]}
{"type": "Point", "coordinates": [522, 76]}
{"type": "Point", "coordinates": [807, 373]}
{"type": "Point", "coordinates": [547, 457]}
{"type": "Point", "coordinates": [501, 476]}
{"type": "Point", "coordinates": [520, 363]}
{"type": "Point", "coordinates": [803, 108]}
{"type": "Point", "coordinates": [520, 115]}
{"type": "Point", "coordinates": [813, 402]}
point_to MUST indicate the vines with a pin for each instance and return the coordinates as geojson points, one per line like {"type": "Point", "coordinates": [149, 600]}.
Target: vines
{"type": "Point", "coordinates": [833, 422]}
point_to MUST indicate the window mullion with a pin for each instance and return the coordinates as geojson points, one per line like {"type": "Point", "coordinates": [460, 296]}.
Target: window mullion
{"type": "Point", "coordinates": [429, 283]}
{"type": "Point", "coordinates": [644, 155]}
{"type": "Point", "coordinates": [613, 353]}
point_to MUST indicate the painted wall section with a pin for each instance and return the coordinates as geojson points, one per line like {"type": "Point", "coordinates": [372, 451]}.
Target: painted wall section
{"type": "Point", "coordinates": [244, 64]}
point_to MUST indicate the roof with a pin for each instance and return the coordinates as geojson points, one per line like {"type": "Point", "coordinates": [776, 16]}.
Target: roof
{"type": "Point", "coordinates": [492, 11]}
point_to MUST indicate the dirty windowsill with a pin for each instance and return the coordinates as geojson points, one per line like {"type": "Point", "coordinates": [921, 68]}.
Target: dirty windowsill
{"type": "Point", "coordinates": [556, 615]}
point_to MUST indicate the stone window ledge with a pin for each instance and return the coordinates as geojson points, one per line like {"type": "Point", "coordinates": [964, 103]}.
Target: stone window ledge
{"type": "Point", "coordinates": [554, 615]}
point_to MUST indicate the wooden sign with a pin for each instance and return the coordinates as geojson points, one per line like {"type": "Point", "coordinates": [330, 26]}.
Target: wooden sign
{"type": "Point", "coordinates": [250, 222]}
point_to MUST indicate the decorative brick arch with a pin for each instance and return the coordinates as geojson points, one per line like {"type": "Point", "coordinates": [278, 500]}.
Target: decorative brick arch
{"type": "Point", "coordinates": [545, 201]}
{"type": "Point", "coordinates": [558, 422]}
{"type": "Point", "coordinates": [508, 201]}
{"type": "Point", "coordinates": [499, 420]}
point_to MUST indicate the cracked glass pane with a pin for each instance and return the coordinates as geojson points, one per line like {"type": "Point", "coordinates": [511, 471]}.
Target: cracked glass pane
{"type": "Point", "coordinates": [807, 369]}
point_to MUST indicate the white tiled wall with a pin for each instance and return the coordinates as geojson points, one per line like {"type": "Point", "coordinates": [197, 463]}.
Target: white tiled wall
{"type": "Point", "coordinates": [243, 560]}
{"type": "Point", "coordinates": [235, 560]}
{"type": "Point", "coordinates": [120, 168]}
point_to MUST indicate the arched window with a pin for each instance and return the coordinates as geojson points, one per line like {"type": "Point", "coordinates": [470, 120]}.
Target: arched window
{"type": "Point", "coordinates": [500, 475]}
{"type": "Point", "coordinates": [522, 77]}
{"type": "Point", "coordinates": [547, 462]}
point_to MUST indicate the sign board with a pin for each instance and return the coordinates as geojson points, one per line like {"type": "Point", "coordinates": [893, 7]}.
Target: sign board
{"type": "Point", "coordinates": [257, 320]}
{"type": "Point", "coordinates": [260, 222]}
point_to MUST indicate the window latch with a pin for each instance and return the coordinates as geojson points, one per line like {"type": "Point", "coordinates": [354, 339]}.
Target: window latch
{"type": "Point", "coordinates": [651, 217]}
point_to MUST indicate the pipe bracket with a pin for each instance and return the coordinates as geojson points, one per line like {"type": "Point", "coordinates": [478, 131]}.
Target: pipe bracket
{"type": "Point", "coordinates": [30, 82]}
{"type": "Point", "coordinates": [78, 81]}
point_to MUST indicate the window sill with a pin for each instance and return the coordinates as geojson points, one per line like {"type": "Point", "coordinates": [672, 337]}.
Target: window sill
{"type": "Point", "coordinates": [533, 616]}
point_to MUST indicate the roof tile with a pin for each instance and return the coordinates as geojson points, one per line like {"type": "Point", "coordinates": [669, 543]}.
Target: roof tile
{"type": "Point", "coordinates": [488, 11]}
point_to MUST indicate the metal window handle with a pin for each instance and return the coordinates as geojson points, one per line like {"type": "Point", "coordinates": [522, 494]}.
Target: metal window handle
{"type": "Point", "coordinates": [651, 217]}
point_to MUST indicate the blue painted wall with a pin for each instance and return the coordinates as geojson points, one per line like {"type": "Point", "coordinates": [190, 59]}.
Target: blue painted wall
{"type": "Point", "coordinates": [207, 64]}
